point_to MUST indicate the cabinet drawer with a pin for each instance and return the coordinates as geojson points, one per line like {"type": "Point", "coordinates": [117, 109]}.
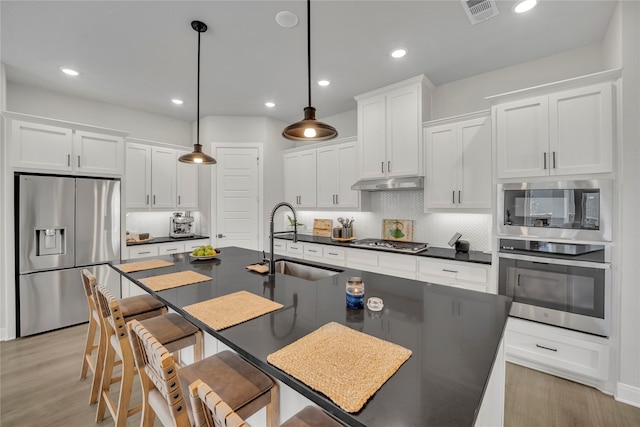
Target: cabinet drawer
{"type": "Point", "coordinates": [334, 254]}
{"type": "Point", "coordinates": [457, 270]}
{"type": "Point", "coordinates": [170, 248]}
{"type": "Point", "coordinates": [280, 247]}
{"type": "Point", "coordinates": [313, 251]}
{"type": "Point", "coordinates": [362, 257]}
{"type": "Point", "coordinates": [143, 251]}
{"type": "Point", "coordinates": [397, 265]}
{"type": "Point", "coordinates": [295, 248]}
{"type": "Point", "coordinates": [194, 244]}
{"type": "Point", "coordinates": [557, 348]}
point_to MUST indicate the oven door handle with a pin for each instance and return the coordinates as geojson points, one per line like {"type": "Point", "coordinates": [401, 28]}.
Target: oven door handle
{"type": "Point", "coordinates": [559, 261]}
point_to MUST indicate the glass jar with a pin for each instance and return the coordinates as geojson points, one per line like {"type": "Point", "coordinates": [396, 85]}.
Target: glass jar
{"type": "Point", "coordinates": [355, 293]}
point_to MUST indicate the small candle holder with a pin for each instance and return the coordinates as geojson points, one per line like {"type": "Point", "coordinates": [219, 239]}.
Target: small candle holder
{"type": "Point", "coordinates": [355, 293]}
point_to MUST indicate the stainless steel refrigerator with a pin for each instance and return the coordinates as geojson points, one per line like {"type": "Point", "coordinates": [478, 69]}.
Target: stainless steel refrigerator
{"type": "Point", "coordinates": [63, 224]}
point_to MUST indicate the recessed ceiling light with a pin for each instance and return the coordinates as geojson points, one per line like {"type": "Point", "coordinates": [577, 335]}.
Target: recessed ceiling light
{"type": "Point", "coordinates": [69, 71]}
{"type": "Point", "coordinates": [177, 101]}
{"type": "Point", "coordinates": [270, 104]}
{"type": "Point", "coordinates": [324, 82]}
{"type": "Point", "coordinates": [399, 52]}
{"type": "Point", "coordinates": [525, 6]}
{"type": "Point", "coordinates": [286, 19]}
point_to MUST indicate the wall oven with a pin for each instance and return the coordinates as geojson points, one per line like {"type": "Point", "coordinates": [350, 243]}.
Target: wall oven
{"type": "Point", "coordinates": [560, 284]}
{"type": "Point", "coordinates": [576, 210]}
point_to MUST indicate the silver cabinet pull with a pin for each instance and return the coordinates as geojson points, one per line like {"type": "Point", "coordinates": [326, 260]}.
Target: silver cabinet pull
{"type": "Point", "coordinates": [389, 166]}
{"type": "Point", "coordinates": [334, 254]}
{"type": "Point", "coordinates": [154, 199]}
{"type": "Point", "coordinates": [311, 250]}
{"type": "Point", "coordinates": [449, 271]}
{"type": "Point", "coordinates": [145, 252]}
{"type": "Point", "coordinates": [337, 201]}
{"type": "Point", "coordinates": [178, 199]}
{"type": "Point", "coordinates": [78, 161]}
{"type": "Point", "coordinates": [554, 159]}
{"type": "Point", "coordinates": [453, 196]}
{"type": "Point", "coordinates": [459, 198]}
{"type": "Point", "coordinates": [68, 159]}
{"type": "Point", "coordinates": [546, 348]}
{"type": "Point", "coordinates": [171, 250]}
{"type": "Point", "coordinates": [220, 236]}
{"type": "Point", "coordinates": [544, 155]}
{"type": "Point", "coordinates": [147, 199]}
{"type": "Point", "coordinates": [382, 167]}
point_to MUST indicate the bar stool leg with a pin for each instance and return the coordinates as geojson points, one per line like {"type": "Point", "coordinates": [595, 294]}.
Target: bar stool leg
{"type": "Point", "coordinates": [126, 382]}
{"type": "Point", "coordinates": [97, 375]}
{"type": "Point", "coordinates": [273, 408]}
{"type": "Point", "coordinates": [105, 382]}
{"type": "Point", "coordinates": [89, 347]}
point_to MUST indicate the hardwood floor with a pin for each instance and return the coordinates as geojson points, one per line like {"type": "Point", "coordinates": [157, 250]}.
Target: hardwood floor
{"type": "Point", "coordinates": [40, 386]}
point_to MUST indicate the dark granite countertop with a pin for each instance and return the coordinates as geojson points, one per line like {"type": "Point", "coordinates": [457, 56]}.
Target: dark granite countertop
{"type": "Point", "coordinates": [453, 333]}
{"type": "Point", "coordinates": [166, 239]}
{"type": "Point", "coordinates": [477, 257]}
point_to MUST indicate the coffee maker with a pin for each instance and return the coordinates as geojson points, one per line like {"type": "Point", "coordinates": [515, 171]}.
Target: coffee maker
{"type": "Point", "coordinates": [180, 225]}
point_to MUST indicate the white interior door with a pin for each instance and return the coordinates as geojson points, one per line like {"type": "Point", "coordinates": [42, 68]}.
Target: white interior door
{"type": "Point", "coordinates": [237, 204]}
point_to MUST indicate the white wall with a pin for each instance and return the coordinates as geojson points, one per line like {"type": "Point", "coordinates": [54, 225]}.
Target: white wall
{"type": "Point", "coordinates": [140, 124]}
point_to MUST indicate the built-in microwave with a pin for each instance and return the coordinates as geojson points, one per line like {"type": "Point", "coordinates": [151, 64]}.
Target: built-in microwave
{"type": "Point", "coordinates": [576, 210]}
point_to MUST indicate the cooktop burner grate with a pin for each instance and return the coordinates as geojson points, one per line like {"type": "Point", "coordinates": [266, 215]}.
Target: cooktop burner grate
{"type": "Point", "coordinates": [391, 245]}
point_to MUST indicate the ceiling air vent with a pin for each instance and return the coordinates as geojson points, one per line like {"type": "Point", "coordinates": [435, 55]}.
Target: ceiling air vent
{"type": "Point", "coordinates": [480, 10]}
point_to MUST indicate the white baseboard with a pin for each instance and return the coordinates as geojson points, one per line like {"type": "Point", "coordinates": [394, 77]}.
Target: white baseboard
{"type": "Point", "coordinates": [628, 394]}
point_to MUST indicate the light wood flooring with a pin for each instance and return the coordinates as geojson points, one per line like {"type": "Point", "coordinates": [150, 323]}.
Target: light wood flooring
{"type": "Point", "coordinates": [40, 386]}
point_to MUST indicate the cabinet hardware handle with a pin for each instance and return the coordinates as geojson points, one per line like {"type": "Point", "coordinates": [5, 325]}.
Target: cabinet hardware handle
{"type": "Point", "coordinates": [154, 199]}
{"type": "Point", "coordinates": [389, 166]}
{"type": "Point", "coordinates": [546, 348]}
{"type": "Point", "coordinates": [382, 167]}
{"type": "Point", "coordinates": [459, 197]}
{"type": "Point", "coordinates": [178, 199]}
{"type": "Point", "coordinates": [147, 199]}
{"type": "Point", "coordinates": [78, 161]}
{"type": "Point", "coordinates": [146, 252]}
{"type": "Point", "coordinates": [453, 196]}
{"type": "Point", "coordinates": [68, 159]}
{"type": "Point", "coordinates": [311, 250]}
{"type": "Point", "coordinates": [518, 280]}
{"type": "Point", "coordinates": [337, 201]}
{"type": "Point", "coordinates": [334, 254]}
{"type": "Point", "coordinates": [221, 236]}
{"type": "Point", "coordinates": [544, 155]}
{"type": "Point", "coordinates": [334, 198]}
{"type": "Point", "coordinates": [171, 250]}
{"type": "Point", "coordinates": [449, 271]}
{"type": "Point", "coordinates": [554, 159]}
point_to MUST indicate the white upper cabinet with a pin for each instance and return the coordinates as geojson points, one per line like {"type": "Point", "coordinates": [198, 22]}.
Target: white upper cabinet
{"type": "Point", "coordinates": [566, 129]}
{"type": "Point", "coordinates": [49, 145]}
{"type": "Point", "coordinates": [390, 128]}
{"type": "Point", "coordinates": [186, 183]}
{"type": "Point", "coordinates": [155, 178]}
{"type": "Point", "coordinates": [458, 163]}
{"type": "Point", "coordinates": [300, 178]}
{"type": "Point", "coordinates": [337, 172]}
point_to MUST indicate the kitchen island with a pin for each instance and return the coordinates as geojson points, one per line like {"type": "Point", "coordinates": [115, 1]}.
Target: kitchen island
{"type": "Point", "coordinates": [454, 334]}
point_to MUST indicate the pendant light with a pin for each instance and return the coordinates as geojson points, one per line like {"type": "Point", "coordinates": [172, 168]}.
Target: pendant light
{"type": "Point", "coordinates": [309, 129]}
{"type": "Point", "coordinates": [198, 157]}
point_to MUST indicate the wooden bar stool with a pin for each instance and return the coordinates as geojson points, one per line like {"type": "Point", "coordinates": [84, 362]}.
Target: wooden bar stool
{"type": "Point", "coordinates": [140, 307]}
{"type": "Point", "coordinates": [209, 410]}
{"type": "Point", "coordinates": [246, 388]}
{"type": "Point", "coordinates": [172, 330]}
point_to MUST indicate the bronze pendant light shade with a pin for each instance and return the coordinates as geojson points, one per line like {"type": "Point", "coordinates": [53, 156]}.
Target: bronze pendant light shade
{"type": "Point", "coordinates": [197, 156]}
{"type": "Point", "coordinates": [309, 129]}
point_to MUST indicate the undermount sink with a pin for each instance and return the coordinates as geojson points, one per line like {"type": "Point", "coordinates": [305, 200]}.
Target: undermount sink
{"type": "Point", "coordinates": [304, 271]}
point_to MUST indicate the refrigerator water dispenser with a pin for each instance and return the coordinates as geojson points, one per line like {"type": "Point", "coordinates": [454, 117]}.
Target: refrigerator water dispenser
{"type": "Point", "coordinates": [50, 241]}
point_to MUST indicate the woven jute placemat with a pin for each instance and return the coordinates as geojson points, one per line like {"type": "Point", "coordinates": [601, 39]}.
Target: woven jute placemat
{"type": "Point", "coordinates": [173, 280]}
{"type": "Point", "coordinates": [143, 265]}
{"type": "Point", "coordinates": [231, 309]}
{"type": "Point", "coordinates": [346, 365]}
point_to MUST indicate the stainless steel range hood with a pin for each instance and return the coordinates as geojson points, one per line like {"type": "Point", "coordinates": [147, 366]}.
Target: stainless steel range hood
{"type": "Point", "coordinates": [388, 184]}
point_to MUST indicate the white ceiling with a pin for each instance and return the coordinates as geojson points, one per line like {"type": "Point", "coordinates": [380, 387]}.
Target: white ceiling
{"type": "Point", "coordinates": [140, 54]}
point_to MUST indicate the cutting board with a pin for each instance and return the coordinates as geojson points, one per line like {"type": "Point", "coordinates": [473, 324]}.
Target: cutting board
{"type": "Point", "coordinates": [322, 227]}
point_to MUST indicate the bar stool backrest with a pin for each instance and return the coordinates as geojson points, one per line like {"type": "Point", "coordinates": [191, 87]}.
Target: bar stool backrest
{"type": "Point", "coordinates": [160, 368]}
{"type": "Point", "coordinates": [209, 410]}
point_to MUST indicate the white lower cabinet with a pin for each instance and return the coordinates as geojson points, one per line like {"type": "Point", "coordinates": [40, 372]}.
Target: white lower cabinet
{"type": "Point", "coordinates": [156, 249]}
{"type": "Point", "coordinates": [397, 265]}
{"type": "Point", "coordinates": [170, 248]}
{"type": "Point", "coordinates": [190, 245]}
{"type": "Point", "coordinates": [313, 252]}
{"type": "Point", "coordinates": [280, 247]}
{"type": "Point", "coordinates": [574, 355]}
{"type": "Point", "coordinates": [453, 273]}
{"type": "Point", "coordinates": [142, 251]}
{"type": "Point", "coordinates": [335, 256]}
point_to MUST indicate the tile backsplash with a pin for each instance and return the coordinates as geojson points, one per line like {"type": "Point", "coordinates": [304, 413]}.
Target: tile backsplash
{"type": "Point", "coordinates": [433, 228]}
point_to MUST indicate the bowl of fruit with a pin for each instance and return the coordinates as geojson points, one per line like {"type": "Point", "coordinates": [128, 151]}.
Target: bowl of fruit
{"type": "Point", "coordinates": [204, 252]}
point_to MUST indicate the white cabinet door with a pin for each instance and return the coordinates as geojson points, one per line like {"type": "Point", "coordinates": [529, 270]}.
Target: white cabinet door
{"type": "Point", "coordinates": [38, 146]}
{"type": "Point", "coordinates": [138, 175]}
{"type": "Point", "coordinates": [98, 153]}
{"type": "Point", "coordinates": [581, 130]}
{"type": "Point", "coordinates": [300, 179]}
{"type": "Point", "coordinates": [143, 251]}
{"type": "Point", "coordinates": [458, 163]}
{"type": "Point", "coordinates": [475, 165]}
{"type": "Point", "coordinates": [347, 161]}
{"type": "Point", "coordinates": [186, 183]}
{"type": "Point", "coordinates": [442, 158]}
{"type": "Point", "coordinates": [163, 177]}
{"type": "Point", "coordinates": [170, 248]}
{"type": "Point", "coordinates": [523, 138]}
{"type": "Point", "coordinates": [404, 132]}
{"type": "Point", "coordinates": [372, 134]}
{"type": "Point", "coordinates": [327, 180]}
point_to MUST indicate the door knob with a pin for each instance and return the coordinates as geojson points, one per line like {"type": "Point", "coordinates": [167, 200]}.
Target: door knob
{"type": "Point", "coordinates": [221, 236]}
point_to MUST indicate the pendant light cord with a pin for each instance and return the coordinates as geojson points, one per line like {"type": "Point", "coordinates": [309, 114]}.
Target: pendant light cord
{"type": "Point", "coordinates": [198, 96]}
{"type": "Point", "coordinates": [309, 48]}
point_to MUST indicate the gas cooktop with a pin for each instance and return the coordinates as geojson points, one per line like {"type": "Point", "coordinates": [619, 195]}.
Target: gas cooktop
{"type": "Point", "coordinates": [391, 245]}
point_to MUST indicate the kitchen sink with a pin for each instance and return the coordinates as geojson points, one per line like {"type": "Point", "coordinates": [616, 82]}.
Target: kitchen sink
{"type": "Point", "coordinates": [304, 271]}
